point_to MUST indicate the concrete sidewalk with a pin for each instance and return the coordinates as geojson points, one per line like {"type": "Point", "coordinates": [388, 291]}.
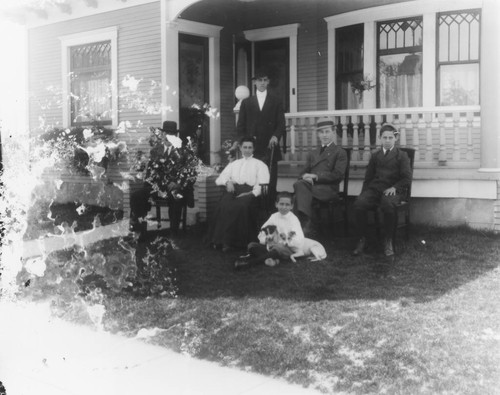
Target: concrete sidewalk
{"type": "Point", "coordinates": [40, 355]}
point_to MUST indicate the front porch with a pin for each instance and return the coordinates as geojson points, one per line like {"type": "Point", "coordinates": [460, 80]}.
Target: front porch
{"type": "Point", "coordinates": [449, 186]}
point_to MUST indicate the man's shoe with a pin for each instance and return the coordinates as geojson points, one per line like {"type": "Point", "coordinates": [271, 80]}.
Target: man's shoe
{"type": "Point", "coordinates": [388, 250]}
{"type": "Point", "coordinates": [360, 247]}
{"type": "Point", "coordinates": [271, 262]}
{"type": "Point", "coordinates": [241, 264]}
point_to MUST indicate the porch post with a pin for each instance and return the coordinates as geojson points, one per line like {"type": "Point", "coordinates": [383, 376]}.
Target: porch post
{"type": "Point", "coordinates": [370, 63]}
{"type": "Point", "coordinates": [429, 61]}
{"type": "Point", "coordinates": [490, 87]}
{"type": "Point", "coordinates": [170, 71]}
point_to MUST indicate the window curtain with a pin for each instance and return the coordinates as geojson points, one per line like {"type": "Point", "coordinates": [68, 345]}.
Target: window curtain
{"type": "Point", "coordinates": [400, 81]}
{"type": "Point", "coordinates": [92, 98]}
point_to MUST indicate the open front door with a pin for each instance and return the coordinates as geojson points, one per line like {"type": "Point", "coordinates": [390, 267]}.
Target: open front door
{"type": "Point", "coordinates": [274, 56]}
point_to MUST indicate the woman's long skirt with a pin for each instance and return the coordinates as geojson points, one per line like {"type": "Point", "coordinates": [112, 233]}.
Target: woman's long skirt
{"type": "Point", "coordinates": [235, 220]}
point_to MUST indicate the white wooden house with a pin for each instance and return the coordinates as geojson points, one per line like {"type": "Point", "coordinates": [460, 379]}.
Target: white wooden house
{"type": "Point", "coordinates": [429, 66]}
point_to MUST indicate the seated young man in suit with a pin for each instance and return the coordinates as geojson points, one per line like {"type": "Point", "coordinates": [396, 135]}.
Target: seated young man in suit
{"type": "Point", "coordinates": [387, 175]}
{"type": "Point", "coordinates": [320, 178]}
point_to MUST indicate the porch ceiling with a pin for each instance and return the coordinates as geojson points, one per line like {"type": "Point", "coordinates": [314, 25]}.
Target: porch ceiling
{"type": "Point", "coordinates": [254, 14]}
{"type": "Point", "coordinates": [249, 14]}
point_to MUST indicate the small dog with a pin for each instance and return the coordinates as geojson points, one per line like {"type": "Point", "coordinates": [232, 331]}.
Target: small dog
{"type": "Point", "coordinates": [272, 236]}
{"type": "Point", "coordinates": [307, 248]}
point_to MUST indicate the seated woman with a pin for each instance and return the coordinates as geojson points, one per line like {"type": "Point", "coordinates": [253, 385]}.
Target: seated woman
{"type": "Point", "coordinates": [234, 221]}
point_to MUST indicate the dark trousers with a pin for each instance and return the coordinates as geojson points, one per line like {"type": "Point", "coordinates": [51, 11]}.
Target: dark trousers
{"type": "Point", "coordinates": [273, 173]}
{"type": "Point", "coordinates": [259, 253]}
{"type": "Point", "coordinates": [140, 205]}
{"type": "Point", "coordinates": [369, 200]}
{"type": "Point", "coordinates": [273, 181]}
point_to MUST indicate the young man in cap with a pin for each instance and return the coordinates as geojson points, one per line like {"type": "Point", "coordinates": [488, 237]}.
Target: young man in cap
{"type": "Point", "coordinates": [320, 178]}
{"type": "Point", "coordinates": [387, 175]}
{"type": "Point", "coordinates": [262, 117]}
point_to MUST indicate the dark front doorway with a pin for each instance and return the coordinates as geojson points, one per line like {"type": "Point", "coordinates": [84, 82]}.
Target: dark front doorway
{"type": "Point", "coordinates": [349, 66]}
{"type": "Point", "coordinates": [274, 56]}
{"type": "Point", "coordinates": [194, 92]}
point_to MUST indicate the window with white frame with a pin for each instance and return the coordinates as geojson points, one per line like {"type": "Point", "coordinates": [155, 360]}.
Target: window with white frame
{"type": "Point", "coordinates": [89, 75]}
{"type": "Point", "coordinates": [399, 63]}
{"type": "Point", "coordinates": [90, 79]}
{"type": "Point", "coordinates": [458, 58]}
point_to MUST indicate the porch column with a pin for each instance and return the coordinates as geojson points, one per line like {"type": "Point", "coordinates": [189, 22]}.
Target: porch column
{"type": "Point", "coordinates": [170, 71]}
{"type": "Point", "coordinates": [370, 63]}
{"type": "Point", "coordinates": [490, 87]}
{"type": "Point", "coordinates": [429, 60]}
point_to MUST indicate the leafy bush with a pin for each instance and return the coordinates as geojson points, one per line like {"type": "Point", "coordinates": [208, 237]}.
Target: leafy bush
{"type": "Point", "coordinates": [107, 267]}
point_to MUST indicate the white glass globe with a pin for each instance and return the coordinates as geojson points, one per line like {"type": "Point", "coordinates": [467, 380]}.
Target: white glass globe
{"type": "Point", "coordinates": [241, 92]}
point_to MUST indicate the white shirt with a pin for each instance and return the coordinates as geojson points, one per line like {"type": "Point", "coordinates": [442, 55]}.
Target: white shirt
{"type": "Point", "coordinates": [327, 145]}
{"type": "Point", "coordinates": [284, 224]}
{"type": "Point", "coordinates": [248, 171]}
{"type": "Point", "coordinates": [261, 98]}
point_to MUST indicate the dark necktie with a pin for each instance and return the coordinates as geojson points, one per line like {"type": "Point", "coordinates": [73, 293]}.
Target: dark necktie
{"type": "Point", "coordinates": [386, 152]}
{"type": "Point", "coordinates": [322, 149]}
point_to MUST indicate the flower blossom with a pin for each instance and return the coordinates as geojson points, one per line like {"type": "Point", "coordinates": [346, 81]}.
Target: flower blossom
{"type": "Point", "coordinates": [174, 140]}
{"type": "Point", "coordinates": [131, 82]}
{"type": "Point", "coordinates": [87, 133]}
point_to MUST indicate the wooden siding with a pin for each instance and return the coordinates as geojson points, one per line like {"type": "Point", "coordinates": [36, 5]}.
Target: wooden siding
{"type": "Point", "coordinates": [138, 56]}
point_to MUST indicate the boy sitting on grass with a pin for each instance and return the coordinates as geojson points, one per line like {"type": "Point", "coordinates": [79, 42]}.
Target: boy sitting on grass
{"type": "Point", "coordinates": [272, 237]}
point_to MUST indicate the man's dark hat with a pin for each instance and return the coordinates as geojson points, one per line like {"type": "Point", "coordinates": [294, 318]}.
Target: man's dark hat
{"type": "Point", "coordinates": [260, 73]}
{"type": "Point", "coordinates": [169, 127]}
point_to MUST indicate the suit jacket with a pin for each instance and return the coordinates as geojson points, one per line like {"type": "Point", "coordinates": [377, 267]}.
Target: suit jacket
{"type": "Point", "coordinates": [388, 171]}
{"type": "Point", "coordinates": [330, 168]}
{"type": "Point", "coordinates": [262, 124]}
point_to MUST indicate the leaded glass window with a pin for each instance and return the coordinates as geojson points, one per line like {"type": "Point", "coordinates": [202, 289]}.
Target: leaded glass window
{"type": "Point", "coordinates": [458, 57]}
{"type": "Point", "coordinates": [90, 66]}
{"type": "Point", "coordinates": [399, 61]}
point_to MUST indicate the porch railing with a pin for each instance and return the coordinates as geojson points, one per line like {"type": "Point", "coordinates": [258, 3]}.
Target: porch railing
{"type": "Point", "coordinates": [443, 136]}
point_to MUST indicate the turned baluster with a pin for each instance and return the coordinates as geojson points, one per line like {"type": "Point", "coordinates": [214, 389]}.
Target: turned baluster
{"type": "Point", "coordinates": [428, 139]}
{"type": "Point", "coordinates": [366, 150]}
{"type": "Point", "coordinates": [456, 136]}
{"type": "Point", "coordinates": [355, 138]}
{"type": "Point", "coordinates": [470, 153]}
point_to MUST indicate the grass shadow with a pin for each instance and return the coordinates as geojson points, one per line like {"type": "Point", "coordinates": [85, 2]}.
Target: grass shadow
{"type": "Point", "coordinates": [433, 262]}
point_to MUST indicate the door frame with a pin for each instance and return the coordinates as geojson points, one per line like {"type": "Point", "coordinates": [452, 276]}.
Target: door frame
{"type": "Point", "coordinates": [270, 33]}
{"type": "Point", "coordinates": [170, 73]}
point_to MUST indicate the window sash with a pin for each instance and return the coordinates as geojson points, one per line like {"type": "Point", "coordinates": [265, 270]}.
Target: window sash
{"type": "Point", "coordinates": [90, 85]}
{"type": "Point", "coordinates": [458, 57]}
{"type": "Point", "coordinates": [399, 63]}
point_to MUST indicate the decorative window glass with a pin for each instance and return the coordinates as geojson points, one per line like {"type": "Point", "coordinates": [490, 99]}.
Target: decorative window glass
{"type": "Point", "coordinates": [399, 61]}
{"type": "Point", "coordinates": [90, 89]}
{"type": "Point", "coordinates": [458, 57]}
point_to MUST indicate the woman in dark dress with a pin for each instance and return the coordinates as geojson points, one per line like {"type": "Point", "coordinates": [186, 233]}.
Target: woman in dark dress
{"type": "Point", "coordinates": [235, 217]}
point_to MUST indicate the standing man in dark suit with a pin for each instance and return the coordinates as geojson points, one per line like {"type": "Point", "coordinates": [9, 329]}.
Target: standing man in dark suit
{"type": "Point", "coordinates": [262, 117]}
{"type": "Point", "coordinates": [387, 175]}
{"type": "Point", "coordinates": [320, 178]}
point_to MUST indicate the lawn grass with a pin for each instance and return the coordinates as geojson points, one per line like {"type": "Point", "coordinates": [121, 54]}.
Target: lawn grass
{"type": "Point", "coordinates": [427, 324]}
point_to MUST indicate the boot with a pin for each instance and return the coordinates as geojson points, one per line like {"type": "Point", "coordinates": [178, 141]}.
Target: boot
{"type": "Point", "coordinates": [388, 250]}
{"type": "Point", "coordinates": [360, 247]}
